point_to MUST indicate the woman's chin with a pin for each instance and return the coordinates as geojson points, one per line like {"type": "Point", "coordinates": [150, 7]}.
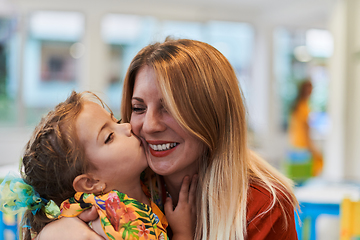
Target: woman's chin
{"type": "Point", "coordinates": [161, 168]}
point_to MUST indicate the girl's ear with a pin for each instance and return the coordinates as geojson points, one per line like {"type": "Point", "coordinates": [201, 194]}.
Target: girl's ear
{"type": "Point", "coordinates": [87, 184]}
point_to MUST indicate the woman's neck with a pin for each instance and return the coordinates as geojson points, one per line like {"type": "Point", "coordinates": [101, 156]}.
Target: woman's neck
{"type": "Point", "coordinates": [172, 187]}
{"type": "Point", "coordinates": [173, 183]}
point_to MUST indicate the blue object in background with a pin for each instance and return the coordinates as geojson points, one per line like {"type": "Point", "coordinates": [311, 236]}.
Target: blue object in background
{"type": "Point", "coordinates": [312, 211]}
{"type": "Point", "coordinates": [299, 156]}
{"type": "Point", "coordinates": [12, 227]}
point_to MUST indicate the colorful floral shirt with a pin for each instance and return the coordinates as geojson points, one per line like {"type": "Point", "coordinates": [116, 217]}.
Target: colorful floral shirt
{"type": "Point", "coordinates": [121, 217]}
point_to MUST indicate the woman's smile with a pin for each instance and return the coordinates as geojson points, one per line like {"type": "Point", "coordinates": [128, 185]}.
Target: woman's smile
{"type": "Point", "coordinates": [161, 148]}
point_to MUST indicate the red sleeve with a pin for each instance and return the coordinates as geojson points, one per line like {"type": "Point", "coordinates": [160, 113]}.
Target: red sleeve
{"type": "Point", "coordinates": [272, 224]}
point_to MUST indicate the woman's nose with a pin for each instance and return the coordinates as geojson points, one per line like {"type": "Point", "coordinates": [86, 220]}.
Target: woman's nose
{"type": "Point", "coordinates": [153, 122]}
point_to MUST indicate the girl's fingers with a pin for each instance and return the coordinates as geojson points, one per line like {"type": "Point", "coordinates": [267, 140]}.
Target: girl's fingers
{"type": "Point", "coordinates": [89, 215]}
{"type": "Point", "coordinates": [184, 190]}
{"type": "Point", "coordinates": [168, 206]}
{"type": "Point", "coordinates": [192, 191]}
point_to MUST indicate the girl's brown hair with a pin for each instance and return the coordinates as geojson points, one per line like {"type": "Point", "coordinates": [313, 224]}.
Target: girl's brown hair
{"type": "Point", "coordinates": [53, 158]}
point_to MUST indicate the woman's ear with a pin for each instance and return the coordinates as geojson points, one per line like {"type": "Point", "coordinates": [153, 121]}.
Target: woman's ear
{"type": "Point", "coordinates": [87, 184]}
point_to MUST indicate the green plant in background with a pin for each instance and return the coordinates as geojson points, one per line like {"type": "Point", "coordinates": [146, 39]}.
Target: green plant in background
{"type": "Point", "coordinates": [2, 71]}
{"type": "Point", "coordinates": [7, 113]}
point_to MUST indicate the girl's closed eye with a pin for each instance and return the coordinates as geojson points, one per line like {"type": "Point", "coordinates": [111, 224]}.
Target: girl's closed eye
{"type": "Point", "coordinates": [109, 138]}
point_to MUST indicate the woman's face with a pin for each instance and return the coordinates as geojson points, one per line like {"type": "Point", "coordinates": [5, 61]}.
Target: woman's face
{"type": "Point", "coordinates": [173, 150]}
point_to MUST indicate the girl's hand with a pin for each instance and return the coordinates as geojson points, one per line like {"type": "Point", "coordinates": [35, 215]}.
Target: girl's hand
{"type": "Point", "coordinates": [89, 215]}
{"type": "Point", "coordinates": [71, 228]}
{"type": "Point", "coordinates": [182, 219]}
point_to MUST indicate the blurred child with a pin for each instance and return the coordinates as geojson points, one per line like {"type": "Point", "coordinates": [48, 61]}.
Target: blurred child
{"type": "Point", "coordinates": [80, 156]}
{"type": "Point", "coordinates": [299, 129]}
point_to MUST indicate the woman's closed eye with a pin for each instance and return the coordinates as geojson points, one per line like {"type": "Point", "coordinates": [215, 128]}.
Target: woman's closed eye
{"type": "Point", "coordinates": [164, 109]}
{"type": "Point", "coordinates": [109, 138]}
{"type": "Point", "coordinates": [163, 106]}
{"type": "Point", "coordinates": [138, 109]}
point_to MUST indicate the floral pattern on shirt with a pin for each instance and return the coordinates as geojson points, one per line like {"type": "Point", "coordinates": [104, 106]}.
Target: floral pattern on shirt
{"type": "Point", "coordinates": [121, 217]}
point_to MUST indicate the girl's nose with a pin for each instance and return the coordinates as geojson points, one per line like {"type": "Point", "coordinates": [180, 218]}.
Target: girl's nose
{"type": "Point", "coordinates": [125, 128]}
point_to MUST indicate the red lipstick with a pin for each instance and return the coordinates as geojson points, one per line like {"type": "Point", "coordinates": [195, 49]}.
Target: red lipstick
{"type": "Point", "coordinates": [162, 153]}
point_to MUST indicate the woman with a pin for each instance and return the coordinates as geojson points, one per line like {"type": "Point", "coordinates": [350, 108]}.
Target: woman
{"type": "Point", "coordinates": [182, 99]}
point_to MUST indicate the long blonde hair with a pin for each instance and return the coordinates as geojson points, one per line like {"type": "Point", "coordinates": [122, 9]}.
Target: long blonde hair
{"type": "Point", "coordinates": [201, 91]}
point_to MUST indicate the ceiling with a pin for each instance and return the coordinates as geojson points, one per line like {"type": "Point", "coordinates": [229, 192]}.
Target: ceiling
{"type": "Point", "coordinates": [297, 13]}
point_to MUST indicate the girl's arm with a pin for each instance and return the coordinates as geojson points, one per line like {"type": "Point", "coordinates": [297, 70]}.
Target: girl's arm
{"type": "Point", "coordinates": [182, 219]}
{"type": "Point", "coordinates": [71, 228]}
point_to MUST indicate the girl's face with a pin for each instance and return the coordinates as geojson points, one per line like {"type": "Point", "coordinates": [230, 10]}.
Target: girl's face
{"type": "Point", "coordinates": [172, 149]}
{"type": "Point", "coordinates": [115, 152]}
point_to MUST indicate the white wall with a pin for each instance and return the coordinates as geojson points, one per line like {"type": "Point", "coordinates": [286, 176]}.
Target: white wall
{"type": "Point", "coordinates": [12, 143]}
{"type": "Point", "coordinates": [343, 145]}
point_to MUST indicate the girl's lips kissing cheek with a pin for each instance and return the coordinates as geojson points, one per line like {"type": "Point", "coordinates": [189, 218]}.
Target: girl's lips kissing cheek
{"type": "Point", "coordinates": [161, 148]}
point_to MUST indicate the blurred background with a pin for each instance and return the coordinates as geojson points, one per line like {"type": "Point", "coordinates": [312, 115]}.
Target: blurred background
{"type": "Point", "coordinates": [48, 48]}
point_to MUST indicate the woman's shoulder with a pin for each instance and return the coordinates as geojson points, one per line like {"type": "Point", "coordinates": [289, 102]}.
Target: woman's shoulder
{"type": "Point", "coordinates": [261, 198]}
{"type": "Point", "coordinates": [258, 191]}
{"type": "Point", "coordinates": [258, 198]}
{"type": "Point", "coordinates": [266, 218]}
{"type": "Point", "coordinates": [262, 195]}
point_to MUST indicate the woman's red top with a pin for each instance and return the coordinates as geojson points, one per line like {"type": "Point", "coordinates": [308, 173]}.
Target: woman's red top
{"type": "Point", "coordinates": [272, 224]}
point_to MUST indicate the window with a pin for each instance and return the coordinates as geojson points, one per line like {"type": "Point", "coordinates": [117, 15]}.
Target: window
{"type": "Point", "coordinates": [302, 54]}
{"type": "Point", "coordinates": [127, 34]}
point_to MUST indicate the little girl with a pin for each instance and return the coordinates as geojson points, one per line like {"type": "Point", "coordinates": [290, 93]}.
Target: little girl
{"type": "Point", "coordinates": [78, 152]}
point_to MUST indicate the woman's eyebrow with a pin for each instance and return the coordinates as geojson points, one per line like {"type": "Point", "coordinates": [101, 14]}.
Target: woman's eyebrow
{"type": "Point", "coordinates": [137, 99]}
